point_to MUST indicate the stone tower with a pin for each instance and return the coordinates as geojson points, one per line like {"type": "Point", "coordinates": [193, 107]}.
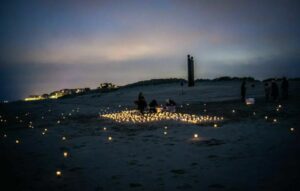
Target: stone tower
{"type": "Point", "coordinates": [190, 63]}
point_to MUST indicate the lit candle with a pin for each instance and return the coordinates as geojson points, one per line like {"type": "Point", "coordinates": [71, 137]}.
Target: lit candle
{"type": "Point", "coordinates": [58, 173]}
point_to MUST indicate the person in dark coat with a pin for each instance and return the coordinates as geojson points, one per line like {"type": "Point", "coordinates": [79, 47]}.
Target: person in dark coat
{"type": "Point", "coordinates": [141, 103]}
{"type": "Point", "coordinates": [243, 91]}
{"type": "Point", "coordinates": [284, 88]}
{"type": "Point", "coordinates": [274, 90]}
{"type": "Point", "coordinates": [267, 91]}
{"type": "Point", "coordinates": [152, 106]}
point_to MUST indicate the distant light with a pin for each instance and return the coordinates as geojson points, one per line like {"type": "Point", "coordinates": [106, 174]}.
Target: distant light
{"type": "Point", "coordinates": [4, 135]}
{"type": "Point", "coordinates": [215, 125]}
{"type": "Point", "coordinates": [104, 128]}
{"type": "Point", "coordinates": [274, 120]}
{"type": "Point", "coordinates": [58, 122]}
{"type": "Point", "coordinates": [109, 138]}
{"type": "Point", "coordinates": [166, 127]}
{"type": "Point", "coordinates": [63, 138]}
{"type": "Point", "coordinates": [17, 141]}
{"type": "Point", "coordinates": [66, 154]}
{"type": "Point", "coordinates": [58, 173]}
{"type": "Point", "coordinates": [233, 111]}
{"type": "Point", "coordinates": [165, 133]}
{"type": "Point", "coordinates": [292, 129]}
{"type": "Point", "coordinates": [266, 117]}
{"type": "Point", "coordinates": [195, 135]}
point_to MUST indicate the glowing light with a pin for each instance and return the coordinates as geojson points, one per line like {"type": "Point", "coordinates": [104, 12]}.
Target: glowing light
{"type": "Point", "coordinates": [166, 127]}
{"type": "Point", "coordinates": [4, 135]}
{"type": "Point", "coordinates": [17, 141]}
{"type": "Point", "coordinates": [292, 129]}
{"type": "Point", "coordinates": [195, 135]}
{"type": "Point", "coordinates": [34, 98]}
{"type": "Point", "coordinates": [66, 154]}
{"type": "Point", "coordinates": [133, 116]}
{"type": "Point", "coordinates": [110, 138]}
{"type": "Point", "coordinates": [165, 133]}
{"type": "Point", "coordinates": [104, 128]}
{"type": "Point", "coordinates": [215, 125]}
{"type": "Point", "coordinates": [266, 117]}
{"type": "Point", "coordinates": [58, 173]}
{"type": "Point", "coordinates": [58, 122]}
{"type": "Point", "coordinates": [233, 111]}
{"type": "Point", "coordinates": [275, 120]}
{"type": "Point", "coordinates": [64, 138]}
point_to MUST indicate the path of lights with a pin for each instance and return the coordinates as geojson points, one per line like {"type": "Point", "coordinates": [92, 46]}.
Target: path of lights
{"type": "Point", "coordinates": [133, 116]}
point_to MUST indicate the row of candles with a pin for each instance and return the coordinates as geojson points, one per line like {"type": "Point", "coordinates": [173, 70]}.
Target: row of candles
{"type": "Point", "coordinates": [133, 116]}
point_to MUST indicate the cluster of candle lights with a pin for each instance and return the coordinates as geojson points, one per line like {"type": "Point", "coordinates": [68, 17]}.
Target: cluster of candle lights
{"type": "Point", "coordinates": [133, 116]}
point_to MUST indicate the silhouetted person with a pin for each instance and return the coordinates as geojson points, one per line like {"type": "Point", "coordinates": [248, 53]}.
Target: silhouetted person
{"type": "Point", "coordinates": [152, 105]}
{"type": "Point", "coordinates": [274, 90]}
{"type": "Point", "coordinates": [243, 91]}
{"type": "Point", "coordinates": [141, 103]}
{"type": "Point", "coordinates": [182, 84]}
{"type": "Point", "coordinates": [170, 105]}
{"type": "Point", "coordinates": [170, 102]}
{"type": "Point", "coordinates": [267, 91]}
{"type": "Point", "coordinates": [285, 88]}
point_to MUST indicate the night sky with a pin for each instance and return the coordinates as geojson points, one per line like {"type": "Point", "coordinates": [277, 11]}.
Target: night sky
{"type": "Point", "coordinates": [54, 44]}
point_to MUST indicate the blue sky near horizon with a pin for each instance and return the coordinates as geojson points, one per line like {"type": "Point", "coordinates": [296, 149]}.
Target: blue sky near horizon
{"type": "Point", "coordinates": [47, 45]}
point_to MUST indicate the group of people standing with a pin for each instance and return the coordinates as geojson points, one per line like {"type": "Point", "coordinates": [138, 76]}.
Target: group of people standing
{"type": "Point", "coordinates": [153, 105]}
{"type": "Point", "coordinates": [271, 90]}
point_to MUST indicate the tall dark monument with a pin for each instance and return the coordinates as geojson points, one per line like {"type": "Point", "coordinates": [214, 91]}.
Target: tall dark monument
{"type": "Point", "coordinates": [191, 81]}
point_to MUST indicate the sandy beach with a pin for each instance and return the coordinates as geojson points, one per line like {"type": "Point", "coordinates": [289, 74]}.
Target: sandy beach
{"type": "Point", "coordinates": [255, 147]}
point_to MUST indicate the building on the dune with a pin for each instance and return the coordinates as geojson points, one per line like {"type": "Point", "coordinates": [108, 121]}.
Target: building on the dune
{"type": "Point", "coordinates": [107, 86]}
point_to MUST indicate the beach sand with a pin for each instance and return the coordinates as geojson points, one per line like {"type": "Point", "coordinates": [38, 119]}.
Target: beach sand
{"type": "Point", "coordinates": [245, 152]}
